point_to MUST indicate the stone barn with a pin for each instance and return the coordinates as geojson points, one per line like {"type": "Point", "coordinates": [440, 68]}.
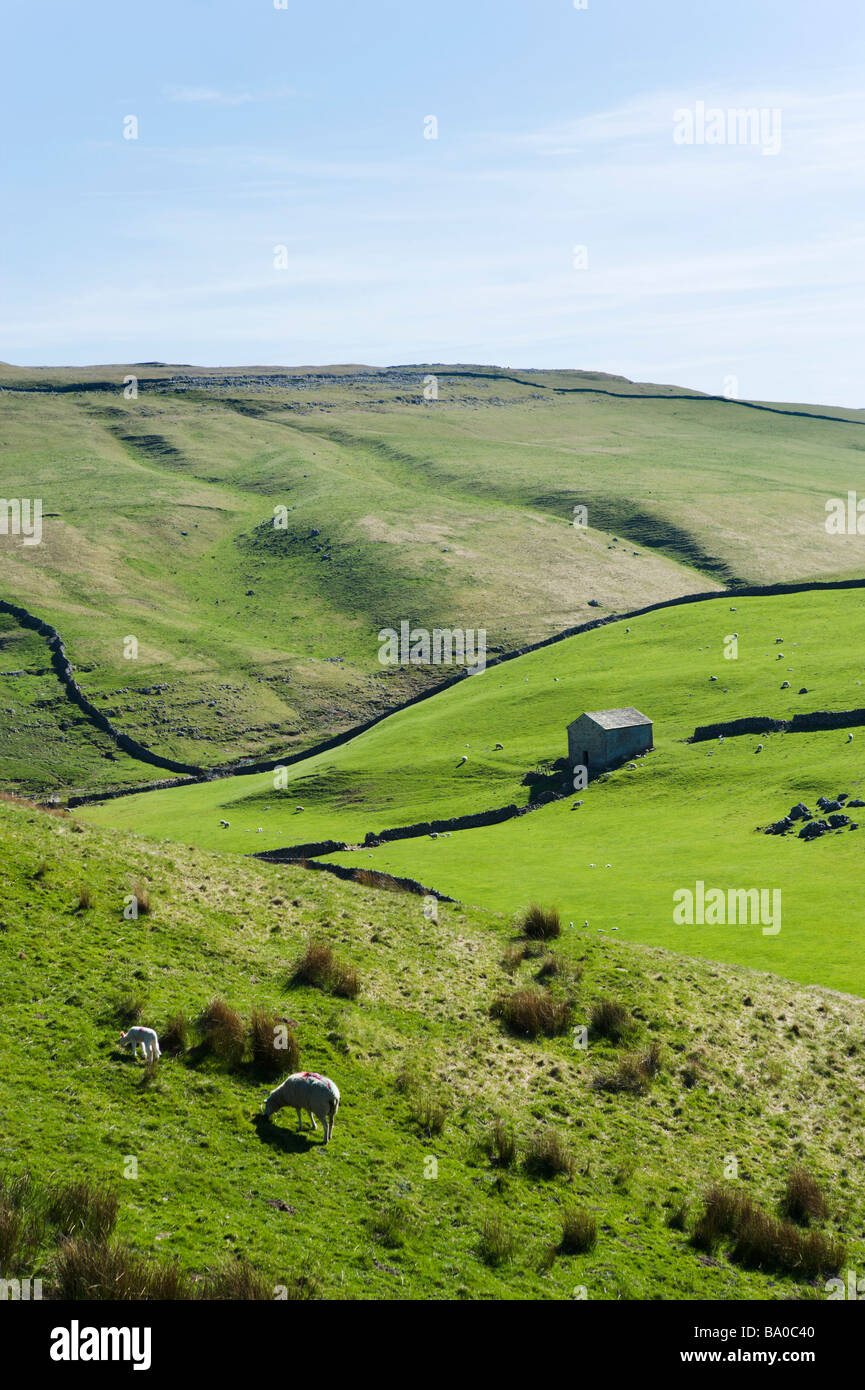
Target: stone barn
{"type": "Point", "coordinates": [603, 739]}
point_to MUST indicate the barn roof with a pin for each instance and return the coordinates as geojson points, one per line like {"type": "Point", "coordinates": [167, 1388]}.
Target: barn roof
{"type": "Point", "coordinates": [627, 718]}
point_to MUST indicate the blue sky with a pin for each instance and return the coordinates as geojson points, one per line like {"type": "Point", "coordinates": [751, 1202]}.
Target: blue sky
{"type": "Point", "coordinates": [708, 265]}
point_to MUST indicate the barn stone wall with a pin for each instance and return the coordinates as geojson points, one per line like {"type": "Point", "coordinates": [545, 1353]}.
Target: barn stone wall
{"type": "Point", "coordinates": [607, 748]}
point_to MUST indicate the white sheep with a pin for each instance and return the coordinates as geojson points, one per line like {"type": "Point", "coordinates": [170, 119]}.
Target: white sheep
{"type": "Point", "coordinates": [224, 824]}
{"type": "Point", "coordinates": [146, 1039]}
{"type": "Point", "coordinates": [306, 1090]}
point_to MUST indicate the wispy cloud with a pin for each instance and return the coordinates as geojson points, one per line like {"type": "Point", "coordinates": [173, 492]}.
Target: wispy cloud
{"type": "Point", "coordinates": [214, 96]}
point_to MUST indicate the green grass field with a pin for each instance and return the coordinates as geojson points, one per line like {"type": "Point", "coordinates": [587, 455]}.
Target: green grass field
{"type": "Point", "coordinates": [688, 812]}
{"type": "Point", "coordinates": [251, 640]}
{"type": "Point", "coordinates": [743, 1051]}
{"type": "Point", "coordinates": [752, 1068]}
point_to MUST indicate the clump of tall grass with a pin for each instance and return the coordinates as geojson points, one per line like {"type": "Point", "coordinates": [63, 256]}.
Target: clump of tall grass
{"type": "Point", "coordinates": [94, 1270]}
{"type": "Point", "coordinates": [273, 1045]}
{"type": "Point", "coordinates": [611, 1019]}
{"type": "Point", "coordinates": [84, 1209]}
{"type": "Point", "coordinates": [579, 1232]}
{"type": "Point", "coordinates": [803, 1198]}
{"type": "Point", "coordinates": [497, 1243]}
{"type": "Point", "coordinates": [501, 1144]}
{"type": "Point", "coordinates": [319, 966]}
{"type": "Point", "coordinates": [428, 1112]}
{"type": "Point", "coordinates": [531, 1013]}
{"type": "Point", "coordinates": [634, 1074]}
{"type": "Point", "coordinates": [540, 923]}
{"type": "Point", "coordinates": [760, 1241]}
{"type": "Point", "coordinates": [141, 895]}
{"type": "Point", "coordinates": [173, 1038]}
{"type": "Point", "coordinates": [222, 1031]}
{"type": "Point", "coordinates": [548, 1156]}
{"type": "Point", "coordinates": [390, 1224]}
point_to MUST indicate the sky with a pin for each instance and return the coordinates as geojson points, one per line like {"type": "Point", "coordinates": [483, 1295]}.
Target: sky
{"type": "Point", "coordinates": [514, 182]}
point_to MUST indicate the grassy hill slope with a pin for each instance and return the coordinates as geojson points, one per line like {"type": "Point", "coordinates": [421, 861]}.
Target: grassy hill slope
{"type": "Point", "coordinates": [751, 1067]}
{"type": "Point", "coordinates": [688, 812]}
{"type": "Point", "coordinates": [454, 512]}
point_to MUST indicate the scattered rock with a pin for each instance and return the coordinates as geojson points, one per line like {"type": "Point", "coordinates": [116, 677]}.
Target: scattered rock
{"type": "Point", "coordinates": [813, 830]}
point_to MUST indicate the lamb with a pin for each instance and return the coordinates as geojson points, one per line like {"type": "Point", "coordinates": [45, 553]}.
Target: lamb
{"type": "Point", "coordinates": [146, 1039]}
{"type": "Point", "coordinates": [306, 1090]}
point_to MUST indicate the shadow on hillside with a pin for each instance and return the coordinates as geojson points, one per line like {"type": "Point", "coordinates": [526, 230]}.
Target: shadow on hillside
{"type": "Point", "coordinates": [547, 782]}
{"type": "Point", "coordinates": [288, 1140]}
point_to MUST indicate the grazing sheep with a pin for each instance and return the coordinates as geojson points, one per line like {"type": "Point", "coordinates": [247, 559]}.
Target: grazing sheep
{"type": "Point", "coordinates": [759, 748]}
{"type": "Point", "coordinates": [146, 1039]}
{"type": "Point", "coordinates": [224, 824]}
{"type": "Point", "coordinates": [849, 738]}
{"type": "Point", "coordinates": [306, 1090]}
{"type": "Point", "coordinates": [498, 748]}
{"type": "Point", "coordinates": [463, 759]}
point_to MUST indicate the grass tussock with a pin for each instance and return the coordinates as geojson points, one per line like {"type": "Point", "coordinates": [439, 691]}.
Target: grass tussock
{"type": "Point", "coordinates": [547, 1155]}
{"type": "Point", "coordinates": [532, 1013]}
{"type": "Point", "coordinates": [579, 1232]}
{"type": "Point", "coordinates": [84, 1210]}
{"type": "Point", "coordinates": [319, 967]}
{"type": "Point", "coordinates": [429, 1113]}
{"type": "Point", "coordinates": [84, 899]}
{"type": "Point", "coordinates": [95, 1270]}
{"type": "Point", "coordinates": [549, 967]}
{"type": "Point", "coordinates": [514, 956]}
{"type": "Point", "coordinates": [237, 1281]}
{"type": "Point", "coordinates": [803, 1200]}
{"type": "Point", "coordinates": [390, 1225]}
{"type": "Point", "coordinates": [344, 981]}
{"type": "Point", "coordinates": [501, 1144]}
{"type": "Point", "coordinates": [141, 894]}
{"type": "Point", "coordinates": [497, 1243]}
{"type": "Point", "coordinates": [274, 1048]}
{"type": "Point", "coordinates": [540, 923]}
{"type": "Point", "coordinates": [760, 1241]}
{"type": "Point", "coordinates": [22, 1223]}
{"type": "Point", "coordinates": [222, 1031]}
{"type": "Point", "coordinates": [634, 1074]}
{"type": "Point", "coordinates": [174, 1037]}
{"type": "Point", "coordinates": [611, 1020]}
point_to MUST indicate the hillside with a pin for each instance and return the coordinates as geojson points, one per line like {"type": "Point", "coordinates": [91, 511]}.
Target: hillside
{"type": "Point", "coordinates": [687, 812]}
{"type": "Point", "coordinates": [254, 641]}
{"type": "Point", "coordinates": [749, 1066]}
